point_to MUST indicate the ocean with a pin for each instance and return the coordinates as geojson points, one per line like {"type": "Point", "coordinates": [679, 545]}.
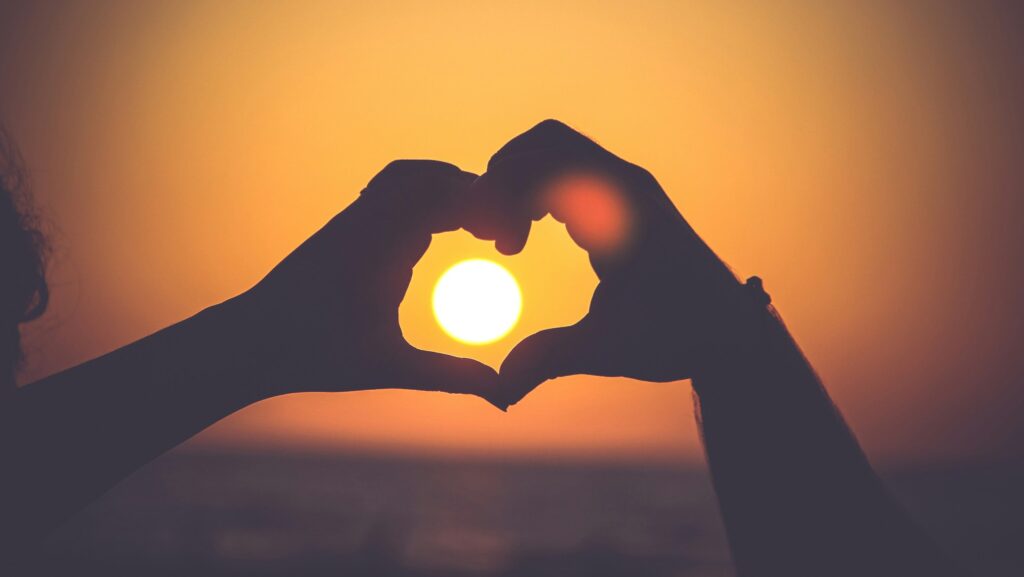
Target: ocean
{"type": "Point", "coordinates": [201, 514]}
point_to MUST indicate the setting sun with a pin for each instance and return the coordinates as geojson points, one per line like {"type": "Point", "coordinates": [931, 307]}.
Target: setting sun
{"type": "Point", "coordinates": [477, 301]}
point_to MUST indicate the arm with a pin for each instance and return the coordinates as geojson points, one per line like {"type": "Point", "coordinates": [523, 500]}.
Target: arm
{"type": "Point", "coordinates": [796, 493]}
{"type": "Point", "coordinates": [325, 319]}
{"type": "Point", "coordinates": [69, 437]}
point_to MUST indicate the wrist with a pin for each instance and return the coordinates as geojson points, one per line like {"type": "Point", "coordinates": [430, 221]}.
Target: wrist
{"type": "Point", "coordinates": [740, 337]}
{"type": "Point", "coordinates": [244, 353]}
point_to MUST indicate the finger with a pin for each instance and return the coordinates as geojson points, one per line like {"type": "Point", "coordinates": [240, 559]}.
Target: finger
{"type": "Point", "coordinates": [604, 201]}
{"type": "Point", "coordinates": [429, 371]}
{"type": "Point", "coordinates": [549, 134]}
{"type": "Point", "coordinates": [425, 196]}
{"type": "Point", "coordinates": [502, 203]}
{"type": "Point", "coordinates": [550, 354]}
{"type": "Point", "coordinates": [493, 213]}
{"type": "Point", "coordinates": [409, 201]}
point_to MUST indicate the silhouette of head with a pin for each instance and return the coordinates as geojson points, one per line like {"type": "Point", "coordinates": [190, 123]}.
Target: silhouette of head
{"type": "Point", "coordinates": [23, 290]}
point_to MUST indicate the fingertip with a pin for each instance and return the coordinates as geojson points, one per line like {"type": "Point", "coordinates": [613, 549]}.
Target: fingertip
{"type": "Point", "coordinates": [494, 213]}
{"type": "Point", "coordinates": [514, 239]}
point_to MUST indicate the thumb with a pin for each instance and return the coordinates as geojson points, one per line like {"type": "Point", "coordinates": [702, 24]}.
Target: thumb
{"type": "Point", "coordinates": [549, 354]}
{"type": "Point", "coordinates": [430, 371]}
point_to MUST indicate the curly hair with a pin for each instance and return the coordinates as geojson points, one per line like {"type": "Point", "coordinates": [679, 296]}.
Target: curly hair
{"type": "Point", "coordinates": [24, 293]}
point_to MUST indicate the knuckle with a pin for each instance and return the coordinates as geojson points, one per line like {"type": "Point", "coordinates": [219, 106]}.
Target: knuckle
{"type": "Point", "coordinates": [403, 173]}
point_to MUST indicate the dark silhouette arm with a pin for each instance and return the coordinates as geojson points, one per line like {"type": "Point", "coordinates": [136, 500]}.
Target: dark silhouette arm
{"type": "Point", "coordinates": [797, 495]}
{"type": "Point", "coordinates": [325, 319]}
{"type": "Point", "coordinates": [68, 438]}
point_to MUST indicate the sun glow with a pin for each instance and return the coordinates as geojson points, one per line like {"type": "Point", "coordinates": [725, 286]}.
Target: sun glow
{"type": "Point", "coordinates": [477, 301]}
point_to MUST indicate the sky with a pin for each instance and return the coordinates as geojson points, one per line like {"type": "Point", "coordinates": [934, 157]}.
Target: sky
{"type": "Point", "coordinates": [862, 158]}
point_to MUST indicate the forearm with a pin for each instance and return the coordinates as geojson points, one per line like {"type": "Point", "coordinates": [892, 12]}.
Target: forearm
{"type": "Point", "coordinates": [70, 437]}
{"type": "Point", "coordinates": [797, 494]}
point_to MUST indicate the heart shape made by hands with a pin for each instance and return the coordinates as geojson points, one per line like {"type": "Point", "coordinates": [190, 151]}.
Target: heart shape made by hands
{"type": "Point", "coordinates": [664, 302]}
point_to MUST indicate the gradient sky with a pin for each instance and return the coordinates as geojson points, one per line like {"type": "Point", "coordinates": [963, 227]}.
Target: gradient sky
{"type": "Point", "coordinates": [864, 159]}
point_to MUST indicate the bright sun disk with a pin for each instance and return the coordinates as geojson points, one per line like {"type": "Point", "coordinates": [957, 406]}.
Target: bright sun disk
{"type": "Point", "coordinates": [477, 301]}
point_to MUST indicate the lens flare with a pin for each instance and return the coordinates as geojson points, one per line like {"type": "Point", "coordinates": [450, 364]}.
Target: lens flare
{"type": "Point", "coordinates": [593, 208]}
{"type": "Point", "coordinates": [477, 301]}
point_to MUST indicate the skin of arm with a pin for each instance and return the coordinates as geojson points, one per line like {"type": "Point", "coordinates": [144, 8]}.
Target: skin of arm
{"type": "Point", "coordinates": [70, 437]}
{"type": "Point", "coordinates": [796, 492]}
{"type": "Point", "coordinates": [325, 319]}
{"type": "Point", "coordinates": [797, 495]}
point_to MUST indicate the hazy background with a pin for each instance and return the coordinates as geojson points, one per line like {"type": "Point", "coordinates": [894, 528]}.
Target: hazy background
{"type": "Point", "coordinates": [863, 158]}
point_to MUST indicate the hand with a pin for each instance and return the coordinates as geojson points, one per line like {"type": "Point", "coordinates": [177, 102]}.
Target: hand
{"type": "Point", "coordinates": [326, 318]}
{"type": "Point", "coordinates": [664, 297]}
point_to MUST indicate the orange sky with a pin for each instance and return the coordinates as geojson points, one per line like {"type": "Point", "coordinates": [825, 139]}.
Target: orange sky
{"type": "Point", "coordinates": [862, 159]}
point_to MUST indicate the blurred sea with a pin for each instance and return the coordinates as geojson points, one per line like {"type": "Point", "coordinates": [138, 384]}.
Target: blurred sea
{"type": "Point", "coordinates": [194, 514]}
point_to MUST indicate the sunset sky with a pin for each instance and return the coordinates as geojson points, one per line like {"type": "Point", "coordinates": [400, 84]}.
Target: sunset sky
{"type": "Point", "coordinates": [864, 159]}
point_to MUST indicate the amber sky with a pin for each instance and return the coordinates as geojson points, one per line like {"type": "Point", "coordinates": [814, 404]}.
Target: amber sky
{"type": "Point", "coordinates": [863, 158]}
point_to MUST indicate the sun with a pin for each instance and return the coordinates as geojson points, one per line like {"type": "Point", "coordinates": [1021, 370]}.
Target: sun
{"type": "Point", "coordinates": [477, 301]}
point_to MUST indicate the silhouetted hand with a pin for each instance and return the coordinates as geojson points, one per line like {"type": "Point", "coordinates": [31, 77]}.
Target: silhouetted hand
{"type": "Point", "coordinates": [326, 318]}
{"type": "Point", "coordinates": [664, 298]}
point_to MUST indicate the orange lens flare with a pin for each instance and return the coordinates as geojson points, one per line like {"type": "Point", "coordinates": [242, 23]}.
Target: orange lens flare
{"type": "Point", "coordinates": [593, 208]}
